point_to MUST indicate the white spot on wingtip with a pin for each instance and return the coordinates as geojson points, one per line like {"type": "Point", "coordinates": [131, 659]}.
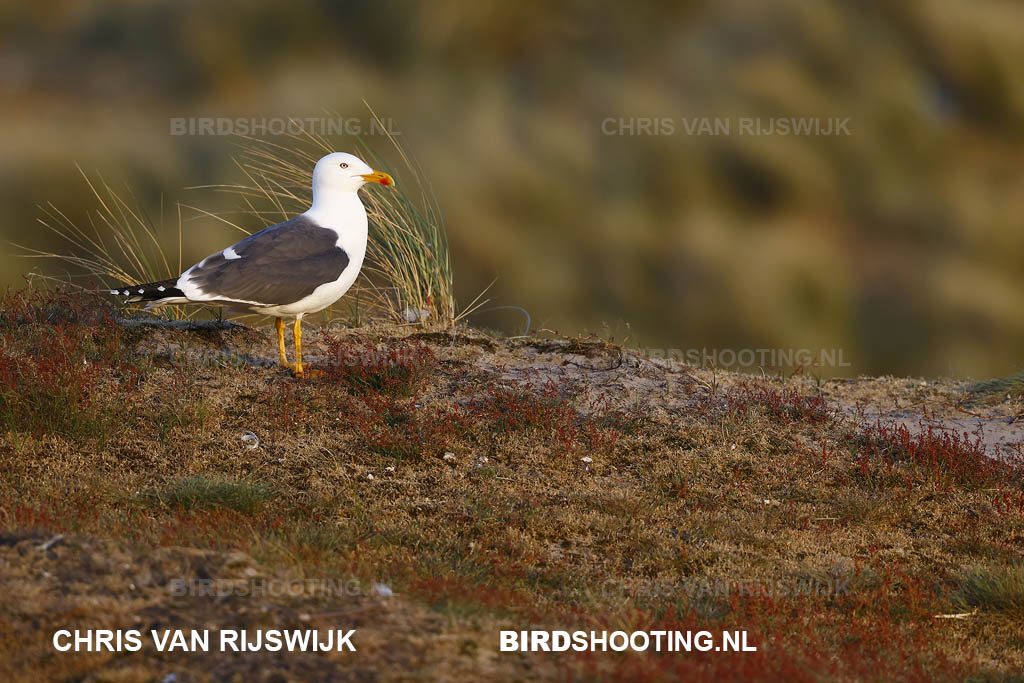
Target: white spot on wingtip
{"type": "Point", "coordinates": [113, 291]}
{"type": "Point", "coordinates": [230, 254]}
{"type": "Point", "coordinates": [160, 288]}
{"type": "Point", "coordinates": [125, 293]}
{"type": "Point", "coordinates": [142, 291]}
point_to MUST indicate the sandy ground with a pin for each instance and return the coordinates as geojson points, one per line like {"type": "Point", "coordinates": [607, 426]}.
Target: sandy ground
{"type": "Point", "coordinates": [667, 388]}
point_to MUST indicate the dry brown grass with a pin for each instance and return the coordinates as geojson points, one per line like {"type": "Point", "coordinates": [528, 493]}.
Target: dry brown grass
{"type": "Point", "coordinates": [697, 497]}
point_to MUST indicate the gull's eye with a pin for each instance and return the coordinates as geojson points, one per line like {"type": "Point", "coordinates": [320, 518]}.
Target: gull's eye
{"type": "Point", "coordinates": [343, 165]}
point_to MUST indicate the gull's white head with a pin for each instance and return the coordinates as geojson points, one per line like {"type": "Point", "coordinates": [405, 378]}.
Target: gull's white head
{"type": "Point", "coordinates": [344, 173]}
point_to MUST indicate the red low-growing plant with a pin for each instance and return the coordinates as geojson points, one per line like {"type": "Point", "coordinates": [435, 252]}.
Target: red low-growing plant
{"type": "Point", "coordinates": [784, 405]}
{"type": "Point", "coordinates": [547, 409]}
{"type": "Point", "coordinates": [286, 406]}
{"type": "Point", "coordinates": [395, 369]}
{"type": "Point", "coordinates": [1008, 503]}
{"type": "Point", "coordinates": [59, 353]}
{"type": "Point", "coordinates": [404, 428]}
{"type": "Point", "coordinates": [950, 457]}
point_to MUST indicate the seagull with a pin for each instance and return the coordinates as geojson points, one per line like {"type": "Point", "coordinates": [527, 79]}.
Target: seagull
{"type": "Point", "coordinates": [300, 266]}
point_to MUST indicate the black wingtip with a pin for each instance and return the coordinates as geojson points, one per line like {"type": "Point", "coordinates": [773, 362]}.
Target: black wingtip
{"type": "Point", "coordinates": [151, 291]}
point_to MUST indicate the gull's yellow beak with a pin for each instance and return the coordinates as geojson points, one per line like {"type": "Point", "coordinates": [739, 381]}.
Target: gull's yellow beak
{"type": "Point", "coordinates": [379, 177]}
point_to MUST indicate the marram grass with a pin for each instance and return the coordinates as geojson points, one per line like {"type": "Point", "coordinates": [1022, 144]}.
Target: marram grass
{"type": "Point", "coordinates": [117, 243]}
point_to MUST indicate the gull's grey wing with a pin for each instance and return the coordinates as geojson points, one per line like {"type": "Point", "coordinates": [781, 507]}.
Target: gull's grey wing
{"type": "Point", "coordinates": [276, 266]}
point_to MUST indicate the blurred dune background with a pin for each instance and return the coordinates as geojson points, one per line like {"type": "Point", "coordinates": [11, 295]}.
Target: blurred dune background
{"type": "Point", "coordinates": [901, 243]}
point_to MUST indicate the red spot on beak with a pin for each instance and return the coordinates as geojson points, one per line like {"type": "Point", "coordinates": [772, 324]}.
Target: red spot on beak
{"type": "Point", "coordinates": [385, 181]}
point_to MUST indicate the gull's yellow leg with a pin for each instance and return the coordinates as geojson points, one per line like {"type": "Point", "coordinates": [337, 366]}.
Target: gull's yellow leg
{"type": "Point", "coordinates": [297, 331]}
{"type": "Point", "coordinates": [280, 324]}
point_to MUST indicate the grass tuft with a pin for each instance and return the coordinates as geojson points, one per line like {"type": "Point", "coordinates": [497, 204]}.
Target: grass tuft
{"type": "Point", "coordinates": [998, 589]}
{"type": "Point", "coordinates": [205, 492]}
{"type": "Point", "coordinates": [997, 388]}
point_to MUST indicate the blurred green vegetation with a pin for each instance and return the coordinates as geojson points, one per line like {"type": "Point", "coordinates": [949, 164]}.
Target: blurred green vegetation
{"type": "Point", "coordinates": [901, 243]}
